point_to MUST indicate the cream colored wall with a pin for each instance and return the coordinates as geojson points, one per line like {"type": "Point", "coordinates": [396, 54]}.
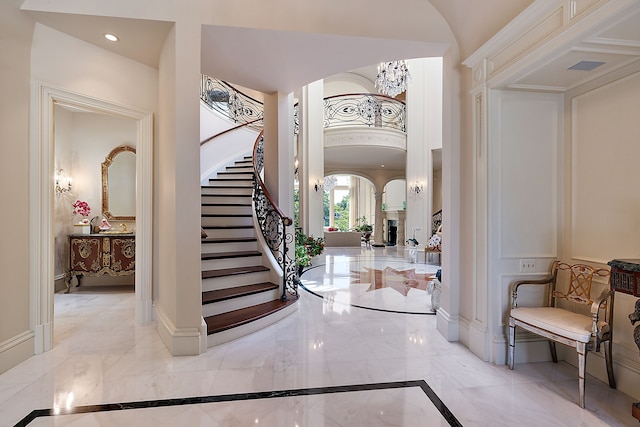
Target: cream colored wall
{"type": "Point", "coordinates": [16, 337]}
{"type": "Point", "coordinates": [395, 194]}
{"type": "Point", "coordinates": [602, 202]}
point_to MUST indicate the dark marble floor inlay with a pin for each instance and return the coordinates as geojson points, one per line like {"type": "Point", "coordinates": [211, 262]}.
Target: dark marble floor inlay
{"type": "Point", "coordinates": [433, 397]}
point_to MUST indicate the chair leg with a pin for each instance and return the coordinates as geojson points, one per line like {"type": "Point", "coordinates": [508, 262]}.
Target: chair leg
{"type": "Point", "coordinates": [582, 367]}
{"type": "Point", "coordinates": [554, 355]}
{"type": "Point", "coordinates": [609, 361]}
{"type": "Point", "coordinates": [512, 344]}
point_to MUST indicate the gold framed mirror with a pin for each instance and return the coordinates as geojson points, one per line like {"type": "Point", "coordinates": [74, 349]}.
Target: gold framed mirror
{"type": "Point", "coordinates": [119, 184]}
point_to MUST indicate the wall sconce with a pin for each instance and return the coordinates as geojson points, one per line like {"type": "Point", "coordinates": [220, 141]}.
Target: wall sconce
{"type": "Point", "coordinates": [318, 186]}
{"type": "Point", "coordinates": [416, 188]}
{"type": "Point", "coordinates": [62, 182]}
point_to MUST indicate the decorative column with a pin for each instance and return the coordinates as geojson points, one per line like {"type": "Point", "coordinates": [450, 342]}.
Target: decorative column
{"type": "Point", "coordinates": [377, 228]}
{"type": "Point", "coordinates": [311, 159]}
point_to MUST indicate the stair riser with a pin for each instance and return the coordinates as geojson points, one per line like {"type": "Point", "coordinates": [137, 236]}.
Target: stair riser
{"type": "Point", "coordinates": [231, 198]}
{"type": "Point", "coordinates": [231, 183]}
{"type": "Point", "coordinates": [240, 169]}
{"type": "Point", "coordinates": [212, 248]}
{"type": "Point", "coordinates": [232, 191]}
{"type": "Point", "coordinates": [223, 233]}
{"type": "Point", "coordinates": [237, 303]}
{"type": "Point", "coordinates": [217, 283]}
{"type": "Point", "coordinates": [235, 175]}
{"type": "Point", "coordinates": [233, 210]}
{"type": "Point", "coordinates": [226, 220]}
{"type": "Point", "coordinates": [214, 264]}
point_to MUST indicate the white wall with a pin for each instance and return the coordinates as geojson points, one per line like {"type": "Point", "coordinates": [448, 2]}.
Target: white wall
{"type": "Point", "coordinates": [395, 195]}
{"type": "Point", "coordinates": [16, 335]}
{"type": "Point", "coordinates": [221, 151]}
{"type": "Point", "coordinates": [522, 170]}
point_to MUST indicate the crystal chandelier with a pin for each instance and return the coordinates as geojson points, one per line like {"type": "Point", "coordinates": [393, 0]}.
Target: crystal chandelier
{"type": "Point", "coordinates": [392, 77]}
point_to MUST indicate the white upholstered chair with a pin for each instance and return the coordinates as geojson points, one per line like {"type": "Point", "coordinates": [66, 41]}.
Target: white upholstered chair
{"type": "Point", "coordinates": [583, 332]}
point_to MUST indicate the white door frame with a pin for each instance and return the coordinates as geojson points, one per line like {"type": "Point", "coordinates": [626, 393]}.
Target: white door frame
{"type": "Point", "coordinates": [41, 172]}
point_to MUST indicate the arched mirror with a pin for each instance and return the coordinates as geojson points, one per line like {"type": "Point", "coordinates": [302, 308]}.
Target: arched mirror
{"type": "Point", "coordinates": [119, 184]}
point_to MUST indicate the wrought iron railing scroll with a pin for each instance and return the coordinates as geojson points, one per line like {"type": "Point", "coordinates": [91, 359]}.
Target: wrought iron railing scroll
{"type": "Point", "coordinates": [230, 102]}
{"type": "Point", "coordinates": [364, 109]}
{"type": "Point", "coordinates": [274, 225]}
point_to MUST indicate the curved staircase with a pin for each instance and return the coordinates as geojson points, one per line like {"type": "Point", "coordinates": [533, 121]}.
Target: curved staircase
{"type": "Point", "coordinates": [240, 293]}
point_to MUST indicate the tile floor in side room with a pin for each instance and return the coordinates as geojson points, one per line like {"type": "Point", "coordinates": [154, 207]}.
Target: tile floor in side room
{"type": "Point", "coordinates": [361, 350]}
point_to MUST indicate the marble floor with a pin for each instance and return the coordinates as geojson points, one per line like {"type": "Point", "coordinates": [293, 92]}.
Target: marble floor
{"type": "Point", "coordinates": [361, 350]}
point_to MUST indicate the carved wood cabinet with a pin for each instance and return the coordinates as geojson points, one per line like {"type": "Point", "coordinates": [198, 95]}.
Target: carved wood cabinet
{"type": "Point", "coordinates": [99, 254]}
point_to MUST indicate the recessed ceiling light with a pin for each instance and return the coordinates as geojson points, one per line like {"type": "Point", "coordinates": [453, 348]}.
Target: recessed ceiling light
{"type": "Point", "coordinates": [111, 37]}
{"type": "Point", "coordinates": [381, 166]}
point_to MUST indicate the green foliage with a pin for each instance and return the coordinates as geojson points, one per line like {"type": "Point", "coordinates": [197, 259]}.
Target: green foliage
{"type": "Point", "coordinates": [341, 214]}
{"type": "Point", "coordinates": [362, 225]}
{"type": "Point", "coordinates": [307, 247]}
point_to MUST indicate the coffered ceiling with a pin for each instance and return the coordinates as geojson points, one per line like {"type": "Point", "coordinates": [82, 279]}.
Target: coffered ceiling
{"type": "Point", "coordinates": [600, 50]}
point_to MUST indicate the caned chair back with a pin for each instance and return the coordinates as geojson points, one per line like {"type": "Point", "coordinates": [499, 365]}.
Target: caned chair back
{"type": "Point", "coordinates": [580, 281]}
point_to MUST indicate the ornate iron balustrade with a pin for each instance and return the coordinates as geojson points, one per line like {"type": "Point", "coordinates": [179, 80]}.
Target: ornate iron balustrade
{"type": "Point", "coordinates": [230, 102]}
{"type": "Point", "coordinates": [273, 225]}
{"type": "Point", "coordinates": [364, 109]}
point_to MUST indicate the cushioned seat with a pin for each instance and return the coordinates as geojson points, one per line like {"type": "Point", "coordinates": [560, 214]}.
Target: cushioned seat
{"type": "Point", "coordinates": [559, 324]}
{"type": "Point", "coordinates": [573, 326]}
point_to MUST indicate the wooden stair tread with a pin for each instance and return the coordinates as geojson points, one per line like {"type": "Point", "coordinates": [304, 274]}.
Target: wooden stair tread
{"type": "Point", "coordinates": [222, 255]}
{"type": "Point", "coordinates": [240, 291]}
{"type": "Point", "coordinates": [208, 274]}
{"type": "Point", "coordinates": [225, 227]}
{"type": "Point", "coordinates": [232, 319]}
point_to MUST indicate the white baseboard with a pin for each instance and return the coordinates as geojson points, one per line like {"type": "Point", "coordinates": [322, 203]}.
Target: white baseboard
{"type": "Point", "coordinates": [447, 325]}
{"type": "Point", "coordinates": [16, 350]}
{"type": "Point", "coordinates": [180, 342]}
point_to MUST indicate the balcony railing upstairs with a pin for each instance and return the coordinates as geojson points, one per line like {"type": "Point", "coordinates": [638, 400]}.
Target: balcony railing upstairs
{"type": "Point", "coordinates": [358, 109]}
{"type": "Point", "coordinates": [231, 103]}
{"type": "Point", "coordinates": [364, 109]}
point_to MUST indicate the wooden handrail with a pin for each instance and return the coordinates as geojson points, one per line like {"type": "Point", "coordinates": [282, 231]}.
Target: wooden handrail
{"type": "Point", "coordinates": [285, 219]}
{"type": "Point", "coordinates": [229, 130]}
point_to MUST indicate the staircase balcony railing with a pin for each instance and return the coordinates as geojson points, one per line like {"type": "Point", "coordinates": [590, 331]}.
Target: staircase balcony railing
{"type": "Point", "coordinates": [231, 103]}
{"type": "Point", "coordinates": [274, 225]}
{"type": "Point", "coordinates": [364, 109]}
{"type": "Point", "coordinates": [357, 109]}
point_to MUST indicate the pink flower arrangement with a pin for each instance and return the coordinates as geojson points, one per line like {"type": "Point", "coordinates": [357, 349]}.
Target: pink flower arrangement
{"type": "Point", "coordinates": [81, 208]}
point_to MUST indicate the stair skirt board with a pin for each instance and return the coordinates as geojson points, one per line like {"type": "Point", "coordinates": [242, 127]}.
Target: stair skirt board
{"type": "Point", "coordinates": [253, 326]}
{"type": "Point", "coordinates": [227, 305]}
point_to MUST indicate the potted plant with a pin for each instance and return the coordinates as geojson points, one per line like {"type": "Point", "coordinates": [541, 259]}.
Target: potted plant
{"type": "Point", "coordinates": [307, 247]}
{"type": "Point", "coordinates": [362, 225]}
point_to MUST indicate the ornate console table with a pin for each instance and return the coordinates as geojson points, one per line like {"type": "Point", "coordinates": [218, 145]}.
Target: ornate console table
{"type": "Point", "coordinates": [625, 278]}
{"type": "Point", "coordinates": [99, 254]}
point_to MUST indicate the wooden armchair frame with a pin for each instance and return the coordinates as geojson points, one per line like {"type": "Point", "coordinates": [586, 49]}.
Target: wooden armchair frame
{"type": "Point", "coordinates": [557, 324]}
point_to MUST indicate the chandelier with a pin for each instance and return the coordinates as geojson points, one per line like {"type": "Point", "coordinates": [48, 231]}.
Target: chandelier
{"type": "Point", "coordinates": [392, 77]}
